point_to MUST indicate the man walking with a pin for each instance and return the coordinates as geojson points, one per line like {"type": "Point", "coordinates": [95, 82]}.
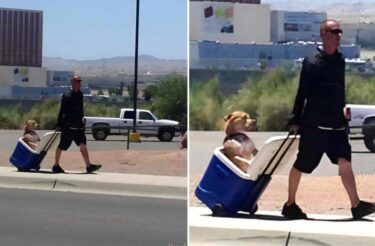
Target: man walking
{"type": "Point", "coordinates": [71, 123]}
{"type": "Point", "coordinates": [319, 115]}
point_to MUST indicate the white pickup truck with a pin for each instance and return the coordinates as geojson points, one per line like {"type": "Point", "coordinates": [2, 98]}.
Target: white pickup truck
{"type": "Point", "coordinates": [147, 125]}
{"type": "Point", "coordinates": [362, 123]}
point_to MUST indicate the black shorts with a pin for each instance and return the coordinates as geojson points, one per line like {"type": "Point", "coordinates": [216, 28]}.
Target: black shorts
{"type": "Point", "coordinates": [314, 142]}
{"type": "Point", "coordinates": [69, 135]}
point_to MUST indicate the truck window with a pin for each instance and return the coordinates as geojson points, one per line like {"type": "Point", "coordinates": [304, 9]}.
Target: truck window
{"type": "Point", "coordinates": [129, 115]}
{"type": "Point", "coordinates": [145, 116]}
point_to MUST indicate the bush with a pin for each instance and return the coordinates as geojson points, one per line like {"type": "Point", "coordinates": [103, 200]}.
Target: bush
{"type": "Point", "coordinates": [206, 110]}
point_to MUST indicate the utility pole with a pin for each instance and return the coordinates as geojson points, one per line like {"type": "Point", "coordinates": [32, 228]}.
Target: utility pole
{"type": "Point", "coordinates": [134, 136]}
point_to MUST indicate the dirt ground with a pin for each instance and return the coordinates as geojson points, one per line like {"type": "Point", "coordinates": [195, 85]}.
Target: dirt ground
{"type": "Point", "coordinates": [149, 162]}
{"type": "Point", "coordinates": [319, 195]}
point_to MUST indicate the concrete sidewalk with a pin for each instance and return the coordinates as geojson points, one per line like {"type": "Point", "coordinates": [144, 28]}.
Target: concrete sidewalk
{"type": "Point", "coordinates": [271, 228]}
{"type": "Point", "coordinates": [101, 183]}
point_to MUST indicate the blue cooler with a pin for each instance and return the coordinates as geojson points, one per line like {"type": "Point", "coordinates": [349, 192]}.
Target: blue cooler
{"type": "Point", "coordinates": [226, 189]}
{"type": "Point", "coordinates": [24, 158]}
{"type": "Point", "coordinates": [225, 184]}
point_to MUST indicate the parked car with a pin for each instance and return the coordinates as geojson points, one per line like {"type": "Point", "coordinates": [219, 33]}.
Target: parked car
{"type": "Point", "coordinates": [362, 123]}
{"type": "Point", "coordinates": [147, 125]}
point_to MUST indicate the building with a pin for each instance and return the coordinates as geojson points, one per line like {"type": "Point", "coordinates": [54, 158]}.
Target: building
{"type": "Point", "coordinates": [59, 78]}
{"type": "Point", "coordinates": [289, 26]}
{"type": "Point", "coordinates": [21, 37]}
{"type": "Point", "coordinates": [22, 76]}
{"type": "Point", "coordinates": [230, 21]}
{"type": "Point", "coordinates": [216, 55]}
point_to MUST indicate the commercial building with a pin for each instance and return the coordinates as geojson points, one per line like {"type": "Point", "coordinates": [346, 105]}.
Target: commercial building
{"type": "Point", "coordinates": [208, 54]}
{"type": "Point", "coordinates": [21, 37]}
{"type": "Point", "coordinates": [242, 22]}
{"type": "Point", "coordinates": [289, 26]}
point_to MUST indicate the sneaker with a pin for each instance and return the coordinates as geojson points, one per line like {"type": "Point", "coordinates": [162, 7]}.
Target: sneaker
{"type": "Point", "coordinates": [292, 211]}
{"type": "Point", "coordinates": [363, 208]}
{"type": "Point", "coordinates": [57, 169]}
{"type": "Point", "coordinates": [93, 168]}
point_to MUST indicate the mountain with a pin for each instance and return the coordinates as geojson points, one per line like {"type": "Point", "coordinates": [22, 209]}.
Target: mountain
{"type": "Point", "coordinates": [116, 65]}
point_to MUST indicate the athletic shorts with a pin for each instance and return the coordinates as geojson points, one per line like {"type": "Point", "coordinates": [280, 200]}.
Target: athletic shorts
{"type": "Point", "coordinates": [69, 135]}
{"type": "Point", "coordinates": [314, 142]}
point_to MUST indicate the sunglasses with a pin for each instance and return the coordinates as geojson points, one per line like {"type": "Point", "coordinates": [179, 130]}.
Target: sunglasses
{"type": "Point", "coordinates": [335, 31]}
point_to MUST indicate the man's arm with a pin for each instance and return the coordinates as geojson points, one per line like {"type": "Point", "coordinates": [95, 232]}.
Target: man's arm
{"type": "Point", "coordinates": [299, 102]}
{"type": "Point", "coordinates": [61, 115]}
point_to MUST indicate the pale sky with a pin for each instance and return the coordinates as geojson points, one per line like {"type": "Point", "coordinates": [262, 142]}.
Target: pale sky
{"type": "Point", "coordinates": [92, 29]}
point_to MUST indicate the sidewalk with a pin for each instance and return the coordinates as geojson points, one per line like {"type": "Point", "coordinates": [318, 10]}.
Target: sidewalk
{"type": "Point", "coordinates": [167, 187]}
{"type": "Point", "coordinates": [270, 228]}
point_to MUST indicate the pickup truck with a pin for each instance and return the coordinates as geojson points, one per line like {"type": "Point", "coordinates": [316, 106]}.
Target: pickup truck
{"type": "Point", "coordinates": [362, 123]}
{"type": "Point", "coordinates": [147, 125]}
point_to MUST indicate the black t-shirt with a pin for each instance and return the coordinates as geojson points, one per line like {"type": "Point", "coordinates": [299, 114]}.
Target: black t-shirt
{"type": "Point", "coordinates": [71, 110]}
{"type": "Point", "coordinates": [321, 94]}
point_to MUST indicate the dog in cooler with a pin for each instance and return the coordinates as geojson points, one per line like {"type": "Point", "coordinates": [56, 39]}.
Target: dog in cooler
{"type": "Point", "coordinates": [238, 146]}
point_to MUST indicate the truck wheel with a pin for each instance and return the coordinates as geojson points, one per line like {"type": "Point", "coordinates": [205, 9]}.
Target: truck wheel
{"type": "Point", "coordinates": [100, 134]}
{"type": "Point", "coordinates": [369, 134]}
{"type": "Point", "coordinates": [370, 141]}
{"type": "Point", "coordinates": [166, 135]}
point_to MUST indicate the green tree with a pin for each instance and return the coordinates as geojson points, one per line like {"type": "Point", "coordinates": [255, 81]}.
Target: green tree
{"type": "Point", "coordinates": [149, 92]}
{"type": "Point", "coordinates": [171, 98]}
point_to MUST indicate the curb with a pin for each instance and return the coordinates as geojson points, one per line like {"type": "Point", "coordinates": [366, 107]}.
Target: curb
{"type": "Point", "coordinates": [167, 187]}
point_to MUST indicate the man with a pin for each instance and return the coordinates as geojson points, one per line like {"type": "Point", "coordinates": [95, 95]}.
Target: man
{"type": "Point", "coordinates": [319, 115]}
{"type": "Point", "coordinates": [71, 123]}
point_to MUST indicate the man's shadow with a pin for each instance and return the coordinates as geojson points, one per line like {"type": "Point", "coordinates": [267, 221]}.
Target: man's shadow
{"type": "Point", "coordinates": [282, 218]}
{"type": "Point", "coordinates": [50, 172]}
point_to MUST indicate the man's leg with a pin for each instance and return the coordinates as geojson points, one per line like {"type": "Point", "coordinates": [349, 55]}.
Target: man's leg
{"type": "Point", "coordinates": [85, 154]}
{"type": "Point", "coordinates": [359, 208]}
{"type": "Point", "coordinates": [294, 180]}
{"type": "Point", "coordinates": [290, 209]}
{"type": "Point", "coordinates": [58, 156]}
{"type": "Point", "coordinates": [348, 180]}
{"type": "Point", "coordinates": [56, 168]}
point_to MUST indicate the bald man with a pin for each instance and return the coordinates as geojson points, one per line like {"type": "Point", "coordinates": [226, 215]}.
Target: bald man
{"type": "Point", "coordinates": [71, 124]}
{"type": "Point", "coordinates": [318, 114]}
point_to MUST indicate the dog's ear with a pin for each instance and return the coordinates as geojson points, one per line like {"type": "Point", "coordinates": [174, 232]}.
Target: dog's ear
{"type": "Point", "coordinates": [227, 117]}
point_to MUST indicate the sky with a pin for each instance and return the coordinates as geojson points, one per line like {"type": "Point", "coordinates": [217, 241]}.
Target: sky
{"type": "Point", "coordinates": [93, 29]}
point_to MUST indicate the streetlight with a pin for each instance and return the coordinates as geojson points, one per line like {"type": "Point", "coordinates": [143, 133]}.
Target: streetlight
{"type": "Point", "coordinates": [134, 136]}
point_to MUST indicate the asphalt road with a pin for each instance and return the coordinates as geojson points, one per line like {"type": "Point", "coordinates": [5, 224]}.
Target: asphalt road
{"type": "Point", "coordinates": [29, 217]}
{"type": "Point", "coordinates": [9, 139]}
{"type": "Point", "coordinates": [203, 143]}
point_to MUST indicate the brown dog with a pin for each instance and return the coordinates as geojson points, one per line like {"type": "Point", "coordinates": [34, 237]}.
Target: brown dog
{"type": "Point", "coordinates": [238, 147]}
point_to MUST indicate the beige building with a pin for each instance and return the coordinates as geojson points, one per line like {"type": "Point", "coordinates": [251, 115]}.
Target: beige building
{"type": "Point", "coordinates": [23, 76]}
{"type": "Point", "coordinates": [229, 22]}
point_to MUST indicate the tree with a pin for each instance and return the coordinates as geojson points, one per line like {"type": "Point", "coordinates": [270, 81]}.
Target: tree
{"type": "Point", "coordinates": [171, 98]}
{"type": "Point", "coordinates": [149, 92]}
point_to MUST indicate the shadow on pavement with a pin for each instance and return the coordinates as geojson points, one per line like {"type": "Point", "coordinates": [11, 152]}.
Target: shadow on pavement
{"type": "Point", "coordinates": [282, 218]}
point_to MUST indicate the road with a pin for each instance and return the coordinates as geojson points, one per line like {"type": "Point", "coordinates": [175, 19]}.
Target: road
{"type": "Point", "coordinates": [9, 139]}
{"type": "Point", "coordinates": [203, 143]}
{"type": "Point", "coordinates": [29, 217]}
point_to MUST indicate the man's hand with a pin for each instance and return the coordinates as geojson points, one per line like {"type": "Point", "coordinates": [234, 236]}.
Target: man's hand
{"type": "Point", "coordinates": [294, 129]}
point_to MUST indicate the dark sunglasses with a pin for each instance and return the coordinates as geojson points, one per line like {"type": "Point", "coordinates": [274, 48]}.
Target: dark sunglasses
{"type": "Point", "coordinates": [335, 31]}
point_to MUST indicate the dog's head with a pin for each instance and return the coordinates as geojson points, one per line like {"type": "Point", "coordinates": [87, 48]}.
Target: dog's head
{"type": "Point", "coordinates": [239, 121]}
